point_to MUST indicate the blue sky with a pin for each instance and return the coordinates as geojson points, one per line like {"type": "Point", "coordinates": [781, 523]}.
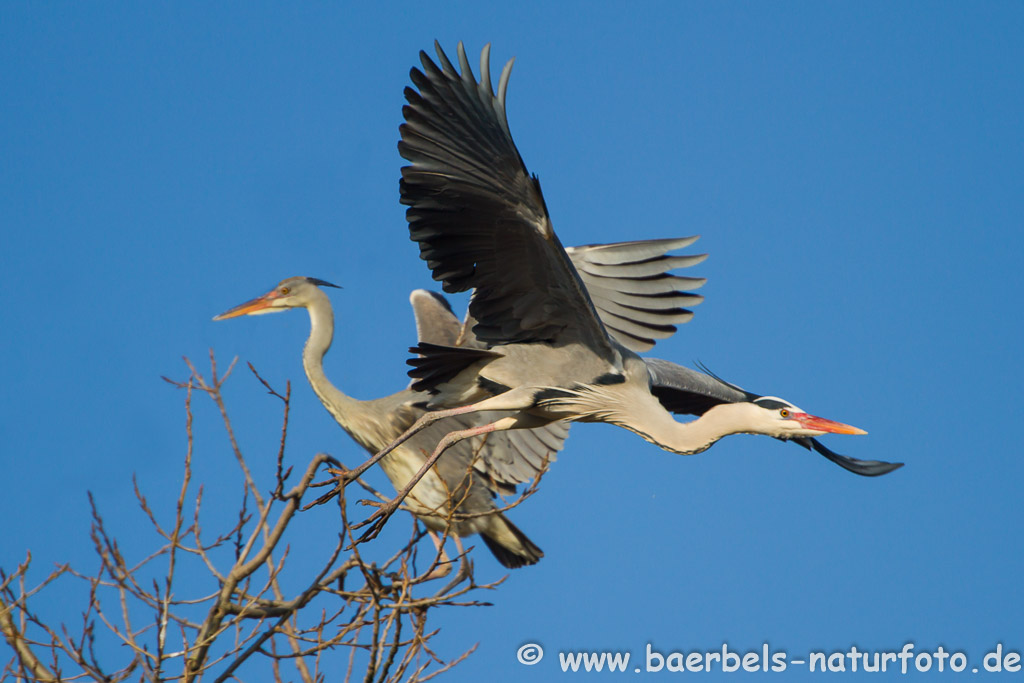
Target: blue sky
{"type": "Point", "coordinates": [856, 171]}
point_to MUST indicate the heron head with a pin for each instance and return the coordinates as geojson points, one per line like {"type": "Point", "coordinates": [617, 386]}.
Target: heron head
{"type": "Point", "coordinates": [784, 420]}
{"type": "Point", "coordinates": [295, 292]}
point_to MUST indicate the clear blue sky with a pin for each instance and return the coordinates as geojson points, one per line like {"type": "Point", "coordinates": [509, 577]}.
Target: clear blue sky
{"type": "Point", "coordinates": [856, 171]}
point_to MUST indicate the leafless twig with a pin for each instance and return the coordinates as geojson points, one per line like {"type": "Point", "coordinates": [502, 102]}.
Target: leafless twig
{"type": "Point", "coordinates": [198, 607]}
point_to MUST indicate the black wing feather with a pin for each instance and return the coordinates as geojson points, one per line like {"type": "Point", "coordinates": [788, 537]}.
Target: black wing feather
{"type": "Point", "coordinates": [479, 217]}
{"type": "Point", "coordinates": [685, 391]}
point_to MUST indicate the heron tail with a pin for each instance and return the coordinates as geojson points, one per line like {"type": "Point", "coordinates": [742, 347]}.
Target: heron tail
{"type": "Point", "coordinates": [509, 545]}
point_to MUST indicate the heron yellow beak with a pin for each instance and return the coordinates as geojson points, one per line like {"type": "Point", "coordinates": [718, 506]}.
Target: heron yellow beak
{"type": "Point", "coordinates": [258, 305]}
{"type": "Point", "coordinates": [820, 424]}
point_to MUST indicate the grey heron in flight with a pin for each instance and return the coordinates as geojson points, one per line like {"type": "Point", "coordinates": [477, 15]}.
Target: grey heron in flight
{"type": "Point", "coordinates": [482, 224]}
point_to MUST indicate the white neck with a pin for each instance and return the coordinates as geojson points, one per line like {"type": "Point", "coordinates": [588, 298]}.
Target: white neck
{"type": "Point", "coordinates": [321, 332]}
{"type": "Point", "coordinates": [646, 417]}
{"type": "Point", "coordinates": [700, 434]}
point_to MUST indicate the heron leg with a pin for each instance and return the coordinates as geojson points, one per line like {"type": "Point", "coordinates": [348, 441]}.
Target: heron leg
{"type": "Point", "coordinates": [424, 420]}
{"type": "Point", "coordinates": [465, 569]}
{"type": "Point", "coordinates": [377, 520]}
{"type": "Point", "coordinates": [465, 564]}
{"type": "Point", "coordinates": [514, 399]}
{"type": "Point", "coordinates": [444, 564]}
{"type": "Point", "coordinates": [458, 546]}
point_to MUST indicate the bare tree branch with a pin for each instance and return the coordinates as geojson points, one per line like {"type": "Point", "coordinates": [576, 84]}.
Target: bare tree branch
{"type": "Point", "coordinates": [191, 608]}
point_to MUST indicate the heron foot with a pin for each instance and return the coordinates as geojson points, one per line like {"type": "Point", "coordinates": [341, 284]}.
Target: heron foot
{"type": "Point", "coordinates": [376, 521]}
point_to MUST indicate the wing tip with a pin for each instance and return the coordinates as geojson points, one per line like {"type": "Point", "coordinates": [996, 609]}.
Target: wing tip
{"type": "Point", "coordinates": [865, 468]}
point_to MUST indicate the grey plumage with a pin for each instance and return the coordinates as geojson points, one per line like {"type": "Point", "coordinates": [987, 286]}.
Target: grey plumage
{"type": "Point", "coordinates": [685, 391]}
{"type": "Point", "coordinates": [457, 494]}
{"type": "Point", "coordinates": [612, 270]}
{"type": "Point", "coordinates": [481, 223]}
{"type": "Point", "coordinates": [476, 469]}
{"type": "Point", "coordinates": [633, 290]}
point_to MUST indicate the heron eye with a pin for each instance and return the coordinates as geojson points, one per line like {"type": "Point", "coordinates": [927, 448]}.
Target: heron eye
{"type": "Point", "coordinates": [784, 413]}
{"type": "Point", "coordinates": [285, 290]}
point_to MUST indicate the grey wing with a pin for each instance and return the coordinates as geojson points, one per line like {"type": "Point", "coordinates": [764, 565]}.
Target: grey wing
{"type": "Point", "coordinates": [638, 300]}
{"type": "Point", "coordinates": [513, 457]}
{"type": "Point", "coordinates": [477, 214]}
{"type": "Point", "coordinates": [505, 458]}
{"type": "Point", "coordinates": [435, 321]}
{"type": "Point", "coordinates": [635, 295]}
{"type": "Point", "coordinates": [682, 390]}
{"type": "Point", "coordinates": [865, 468]}
{"type": "Point", "coordinates": [685, 391]}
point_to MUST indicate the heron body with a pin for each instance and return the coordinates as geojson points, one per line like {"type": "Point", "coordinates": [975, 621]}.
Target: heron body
{"type": "Point", "coordinates": [453, 495]}
{"type": "Point", "coordinates": [481, 223]}
{"type": "Point", "coordinates": [547, 384]}
{"type": "Point", "coordinates": [457, 493]}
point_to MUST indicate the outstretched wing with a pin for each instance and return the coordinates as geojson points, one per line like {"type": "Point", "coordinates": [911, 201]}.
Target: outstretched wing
{"type": "Point", "coordinates": [435, 321]}
{"type": "Point", "coordinates": [865, 468]}
{"type": "Point", "coordinates": [688, 392]}
{"type": "Point", "coordinates": [513, 457]}
{"type": "Point", "coordinates": [504, 458]}
{"type": "Point", "coordinates": [479, 217]}
{"type": "Point", "coordinates": [633, 290]}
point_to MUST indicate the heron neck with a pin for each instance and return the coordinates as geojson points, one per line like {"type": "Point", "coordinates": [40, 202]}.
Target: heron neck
{"type": "Point", "coordinates": [321, 334]}
{"type": "Point", "coordinates": [696, 436]}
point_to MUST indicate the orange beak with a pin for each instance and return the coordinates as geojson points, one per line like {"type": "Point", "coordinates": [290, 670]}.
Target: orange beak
{"type": "Point", "coordinates": [820, 424]}
{"type": "Point", "coordinates": [257, 305]}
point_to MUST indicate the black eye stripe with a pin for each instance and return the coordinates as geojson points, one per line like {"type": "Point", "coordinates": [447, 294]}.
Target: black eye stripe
{"type": "Point", "coordinates": [771, 404]}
